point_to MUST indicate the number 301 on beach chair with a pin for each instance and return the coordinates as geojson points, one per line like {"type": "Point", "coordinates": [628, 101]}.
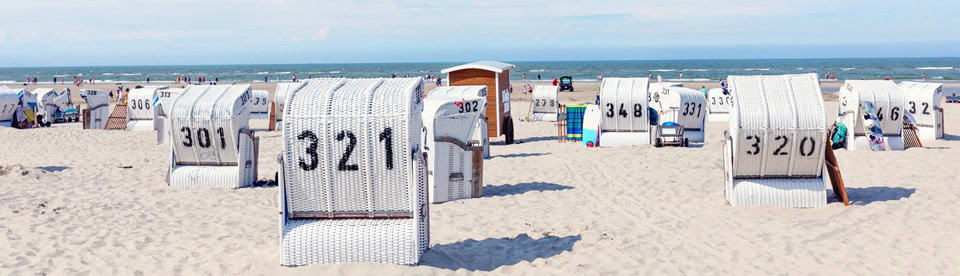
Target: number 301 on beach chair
{"type": "Point", "coordinates": [352, 173]}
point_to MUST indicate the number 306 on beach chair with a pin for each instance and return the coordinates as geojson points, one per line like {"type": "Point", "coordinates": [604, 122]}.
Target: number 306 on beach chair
{"type": "Point", "coordinates": [211, 144]}
{"type": "Point", "coordinates": [353, 176]}
{"type": "Point", "coordinates": [774, 150]}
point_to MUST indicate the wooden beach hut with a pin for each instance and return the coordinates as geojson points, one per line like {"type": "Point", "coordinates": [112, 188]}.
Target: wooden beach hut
{"type": "Point", "coordinates": [496, 76]}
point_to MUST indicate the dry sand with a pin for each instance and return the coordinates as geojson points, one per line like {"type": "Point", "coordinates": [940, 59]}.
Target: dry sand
{"type": "Point", "coordinates": [78, 201]}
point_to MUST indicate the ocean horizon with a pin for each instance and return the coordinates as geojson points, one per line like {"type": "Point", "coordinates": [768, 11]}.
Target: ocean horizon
{"type": "Point", "coordinates": [936, 69]}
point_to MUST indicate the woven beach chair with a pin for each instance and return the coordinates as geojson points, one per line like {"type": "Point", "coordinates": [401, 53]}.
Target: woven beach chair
{"type": "Point", "coordinates": [450, 123]}
{"type": "Point", "coordinates": [212, 146]}
{"type": "Point", "coordinates": [140, 105]}
{"type": "Point", "coordinates": [260, 110]}
{"type": "Point", "coordinates": [545, 106]}
{"type": "Point", "coordinates": [98, 108]}
{"type": "Point", "coordinates": [8, 104]}
{"type": "Point", "coordinates": [923, 107]}
{"type": "Point", "coordinates": [691, 110]}
{"type": "Point", "coordinates": [889, 103]}
{"type": "Point", "coordinates": [623, 105]}
{"type": "Point", "coordinates": [481, 137]}
{"type": "Point", "coordinates": [162, 105]}
{"type": "Point", "coordinates": [353, 174]}
{"type": "Point", "coordinates": [280, 95]}
{"type": "Point", "coordinates": [774, 149]}
{"type": "Point", "coordinates": [719, 105]}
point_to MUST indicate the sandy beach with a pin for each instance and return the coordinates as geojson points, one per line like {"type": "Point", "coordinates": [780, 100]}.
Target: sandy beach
{"type": "Point", "coordinates": [94, 202]}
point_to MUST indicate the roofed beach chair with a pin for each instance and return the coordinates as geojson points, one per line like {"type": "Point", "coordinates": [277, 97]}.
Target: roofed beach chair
{"type": "Point", "coordinates": [889, 104]}
{"type": "Point", "coordinates": [481, 135]}
{"type": "Point", "coordinates": [774, 150]}
{"type": "Point", "coordinates": [923, 107]}
{"type": "Point", "coordinates": [260, 110]}
{"type": "Point", "coordinates": [690, 106]}
{"type": "Point", "coordinates": [140, 105]}
{"type": "Point", "coordinates": [719, 105]}
{"type": "Point", "coordinates": [98, 109]}
{"type": "Point", "coordinates": [545, 104]}
{"type": "Point", "coordinates": [9, 100]}
{"type": "Point", "coordinates": [212, 146]}
{"type": "Point", "coordinates": [162, 106]}
{"type": "Point", "coordinates": [450, 121]}
{"type": "Point", "coordinates": [283, 90]}
{"type": "Point", "coordinates": [625, 118]}
{"type": "Point", "coordinates": [352, 173]}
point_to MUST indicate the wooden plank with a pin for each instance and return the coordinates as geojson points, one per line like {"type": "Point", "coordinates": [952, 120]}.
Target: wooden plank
{"type": "Point", "coordinates": [273, 117]}
{"type": "Point", "coordinates": [477, 176]}
{"type": "Point", "coordinates": [833, 169]}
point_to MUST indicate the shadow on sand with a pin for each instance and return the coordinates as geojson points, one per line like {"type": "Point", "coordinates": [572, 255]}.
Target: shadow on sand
{"type": "Point", "coordinates": [514, 155]}
{"type": "Point", "coordinates": [490, 254]}
{"type": "Point", "coordinates": [516, 189]}
{"type": "Point", "coordinates": [865, 196]}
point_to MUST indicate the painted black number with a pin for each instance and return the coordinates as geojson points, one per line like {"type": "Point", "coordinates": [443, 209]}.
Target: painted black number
{"type": "Point", "coordinates": [926, 108]}
{"type": "Point", "coordinates": [188, 139]}
{"type": "Point", "coordinates": [779, 151]}
{"type": "Point", "coordinates": [880, 114]}
{"type": "Point", "coordinates": [623, 112]}
{"type": "Point", "coordinates": [342, 165]}
{"type": "Point", "coordinates": [311, 150]}
{"type": "Point", "coordinates": [637, 110]}
{"type": "Point", "coordinates": [803, 143]}
{"type": "Point", "coordinates": [223, 139]}
{"type": "Point", "coordinates": [756, 144]}
{"type": "Point", "coordinates": [203, 138]}
{"type": "Point", "coordinates": [387, 137]}
{"type": "Point", "coordinates": [699, 109]}
{"type": "Point", "coordinates": [895, 113]}
{"type": "Point", "coordinates": [913, 107]}
{"type": "Point", "coordinates": [610, 111]}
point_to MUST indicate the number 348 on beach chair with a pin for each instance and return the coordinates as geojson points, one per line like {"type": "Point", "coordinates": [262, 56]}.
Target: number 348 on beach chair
{"type": "Point", "coordinates": [352, 174]}
{"type": "Point", "coordinates": [211, 144]}
{"type": "Point", "coordinates": [774, 151]}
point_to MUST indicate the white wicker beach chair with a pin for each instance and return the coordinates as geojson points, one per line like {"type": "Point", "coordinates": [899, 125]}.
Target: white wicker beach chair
{"type": "Point", "coordinates": [260, 110]}
{"type": "Point", "coordinates": [162, 106]}
{"type": "Point", "coordinates": [545, 104]}
{"type": "Point", "coordinates": [211, 144]}
{"type": "Point", "coordinates": [98, 104]}
{"type": "Point", "coordinates": [352, 173]}
{"type": "Point", "coordinates": [480, 136]}
{"type": "Point", "coordinates": [9, 99]}
{"type": "Point", "coordinates": [890, 106]}
{"type": "Point", "coordinates": [48, 101]}
{"type": "Point", "coordinates": [623, 105]}
{"type": "Point", "coordinates": [450, 123]}
{"type": "Point", "coordinates": [140, 108]}
{"type": "Point", "coordinates": [283, 90]}
{"type": "Point", "coordinates": [691, 105]}
{"type": "Point", "coordinates": [719, 105]}
{"type": "Point", "coordinates": [923, 107]}
{"type": "Point", "coordinates": [774, 149]}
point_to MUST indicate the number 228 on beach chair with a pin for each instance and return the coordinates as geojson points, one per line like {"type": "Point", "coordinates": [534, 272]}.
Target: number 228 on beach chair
{"type": "Point", "coordinates": [353, 176]}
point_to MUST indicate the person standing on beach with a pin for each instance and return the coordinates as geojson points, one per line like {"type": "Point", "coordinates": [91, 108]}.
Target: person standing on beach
{"type": "Point", "coordinates": [924, 76]}
{"type": "Point", "coordinates": [538, 76]}
{"type": "Point", "coordinates": [266, 78]}
{"type": "Point", "coordinates": [555, 81]}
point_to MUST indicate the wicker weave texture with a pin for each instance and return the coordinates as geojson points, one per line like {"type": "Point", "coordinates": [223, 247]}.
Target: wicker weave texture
{"type": "Point", "coordinates": [8, 103]}
{"type": "Point", "coordinates": [99, 104]}
{"type": "Point", "coordinates": [140, 103]}
{"type": "Point", "coordinates": [280, 95]}
{"type": "Point", "coordinates": [48, 101]}
{"type": "Point", "coordinates": [923, 105]}
{"type": "Point", "coordinates": [780, 192]}
{"type": "Point", "coordinates": [619, 139]}
{"type": "Point", "coordinates": [140, 125]}
{"type": "Point", "coordinates": [718, 102]}
{"type": "Point", "coordinates": [887, 100]}
{"type": "Point", "coordinates": [621, 100]}
{"type": "Point", "coordinates": [392, 241]}
{"type": "Point", "coordinates": [337, 135]}
{"type": "Point", "coordinates": [450, 124]}
{"type": "Point", "coordinates": [545, 103]}
{"type": "Point", "coordinates": [778, 126]}
{"type": "Point", "coordinates": [480, 135]}
{"type": "Point", "coordinates": [691, 104]}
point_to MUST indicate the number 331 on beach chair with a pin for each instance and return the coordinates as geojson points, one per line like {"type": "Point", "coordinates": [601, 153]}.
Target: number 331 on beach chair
{"type": "Point", "coordinates": [211, 144]}
{"type": "Point", "coordinates": [352, 173]}
{"type": "Point", "coordinates": [774, 150]}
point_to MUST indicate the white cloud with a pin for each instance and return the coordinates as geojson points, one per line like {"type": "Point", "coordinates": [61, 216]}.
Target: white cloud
{"type": "Point", "coordinates": [3, 35]}
{"type": "Point", "coordinates": [320, 34]}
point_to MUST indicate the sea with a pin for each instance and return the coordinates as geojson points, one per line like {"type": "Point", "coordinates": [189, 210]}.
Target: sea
{"type": "Point", "coordinates": [945, 69]}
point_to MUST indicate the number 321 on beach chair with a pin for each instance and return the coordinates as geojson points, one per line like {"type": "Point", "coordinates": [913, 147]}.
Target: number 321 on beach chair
{"type": "Point", "coordinates": [353, 176]}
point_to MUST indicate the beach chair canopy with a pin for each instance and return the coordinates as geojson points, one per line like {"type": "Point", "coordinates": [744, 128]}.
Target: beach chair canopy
{"type": "Point", "coordinates": [98, 105]}
{"type": "Point", "coordinates": [545, 100]}
{"type": "Point", "coordinates": [450, 123]}
{"type": "Point", "coordinates": [261, 103]}
{"type": "Point", "coordinates": [887, 99]}
{"type": "Point", "coordinates": [924, 106]}
{"type": "Point", "coordinates": [280, 95]}
{"type": "Point", "coordinates": [206, 121]}
{"type": "Point", "coordinates": [9, 99]}
{"type": "Point", "coordinates": [623, 104]}
{"type": "Point", "coordinates": [778, 126]}
{"type": "Point", "coordinates": [352, 148]}
{"type": "Point", "coordinates": [718, 101]}
{"type": "Point", "coordinates": [691, 105]}
{"type": "Point", "coordinates": [140, 103]}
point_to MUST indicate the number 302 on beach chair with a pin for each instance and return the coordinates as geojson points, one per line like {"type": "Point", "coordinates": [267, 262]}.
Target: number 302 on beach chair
{"type": "Point", "coordinates": [352, 174]}
{"type": "Point", "coordinates": [211, 145]}
{"type": "Point", "coordinates": [774, 151]}
{"type": "Point", "coordinates": [450, 121]}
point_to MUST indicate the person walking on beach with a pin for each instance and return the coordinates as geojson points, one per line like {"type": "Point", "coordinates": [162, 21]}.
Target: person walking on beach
{"type": "Point", "coordinates": [924, 76]}
{"type": "Point", "coordinates": [524, 77]}
{"type": "Point", "coordinates": [538, 76]}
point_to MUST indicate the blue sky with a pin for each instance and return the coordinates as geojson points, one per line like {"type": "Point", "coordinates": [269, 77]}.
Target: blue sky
{"type": "Point", "coordinates": [107, 32]}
